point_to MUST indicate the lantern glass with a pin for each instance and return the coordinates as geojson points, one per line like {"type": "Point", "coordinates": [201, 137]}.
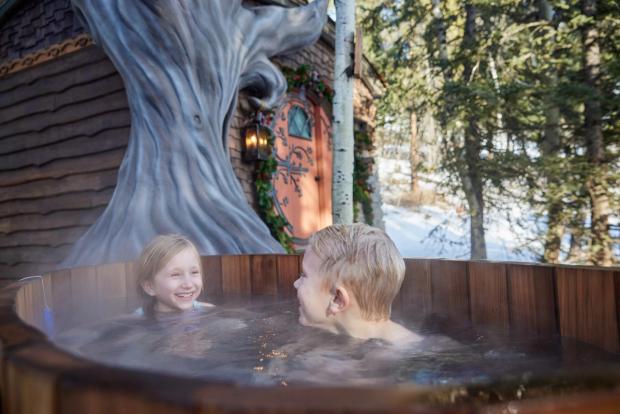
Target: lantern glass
{"type": "Point", "coordinates": [256, 142]}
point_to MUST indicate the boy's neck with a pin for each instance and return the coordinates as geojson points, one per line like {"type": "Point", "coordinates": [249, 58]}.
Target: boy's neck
{"type": "Point", "coordinates": [351, 323]}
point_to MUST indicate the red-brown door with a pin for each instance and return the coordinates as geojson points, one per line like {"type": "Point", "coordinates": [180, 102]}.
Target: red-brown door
{"type": "Point", "coordinates": [303, 180]}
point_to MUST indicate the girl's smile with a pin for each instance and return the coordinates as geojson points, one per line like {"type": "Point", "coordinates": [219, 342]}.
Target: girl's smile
{"type": "Point", "coordinates": [178, 284]}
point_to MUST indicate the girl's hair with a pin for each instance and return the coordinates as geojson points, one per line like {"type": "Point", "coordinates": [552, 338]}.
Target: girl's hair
{"type": "Point", "coordinates": [364, 259]}
{"type": "Point", "coordinates": [154, 257]}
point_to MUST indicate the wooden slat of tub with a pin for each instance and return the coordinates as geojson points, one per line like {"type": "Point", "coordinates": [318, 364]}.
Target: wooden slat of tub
{"type": "Point", "coordinates": [587, 306]}
{"type": "Point", "coordinates": [31, 375]}
{"type": "Point", "coordinates": [414, 297]}
{"type": "Point", "coordinates": [28, 303]}
{"type": "Point", "coordinates": [236, 277]}
{"type": "Point", "coordinates": [532, 300]}
{"type": "Point", "coordinates": [212, 268]}
{"type": "Point", "coordinates": [264, 275]}
{"type": "Point", "coordinates": [131, 287]}
{"type": "Point", "coordinates": [61, 302]}
{"type": "Point", "coordinates": [112, 288]}
{"type": "Point", "coordinates": [488, 294]}
{"type": "Point", "coordinates": [45, 307]}
{"type": "Point", "coordinates": [31, 300]}
{"type": "Point", "coordinates": [27, 392]}
{"type": "Point", "coordinates": [288, 272]}
{"type": "Point", "coordinates": [85, 299]}
{"type": "Point", "coordinates": [82, 398]}
{"type": "Point", "coordinates": [104, 390]}
{"type": "Point", "coordinates": [298, 400]}
{"type": "Point", "coordinates": [449, 290]}
{"type": "Point", "coordinates": [47, 284]}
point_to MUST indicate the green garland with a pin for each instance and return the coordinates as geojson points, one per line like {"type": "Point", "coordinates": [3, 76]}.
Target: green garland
{"type": "Point", "coordinates": [301, 78]}
{"type": "Point", "coordinates": [305, 78]}
{"type": "Point", "coordinates": [362, 190]}
{"type": "Point", "coordinates": [264, 189]}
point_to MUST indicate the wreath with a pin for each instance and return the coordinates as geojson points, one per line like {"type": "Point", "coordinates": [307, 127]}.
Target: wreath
{"type": "Point", "coordinates": [305, 78]}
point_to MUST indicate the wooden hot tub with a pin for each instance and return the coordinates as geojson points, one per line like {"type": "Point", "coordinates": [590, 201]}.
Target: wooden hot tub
{"type": "Point", "coordinates": [37, 377]}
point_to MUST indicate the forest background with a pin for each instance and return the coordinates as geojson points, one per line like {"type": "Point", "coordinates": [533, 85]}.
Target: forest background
{"type": "Point", "coordinates": [508, 103]}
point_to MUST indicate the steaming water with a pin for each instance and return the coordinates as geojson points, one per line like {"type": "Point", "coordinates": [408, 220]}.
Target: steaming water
{"type": "Point", "coordinates": [263, 344]}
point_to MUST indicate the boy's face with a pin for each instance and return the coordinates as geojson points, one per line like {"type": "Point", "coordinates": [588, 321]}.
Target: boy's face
{"type": "Point", "coordinates": [314, 299]}
{"type": "Point", "coordinates": [177, 285]}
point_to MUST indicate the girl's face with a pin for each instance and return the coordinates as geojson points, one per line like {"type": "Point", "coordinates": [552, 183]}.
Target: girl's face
{"type": "Point", "coordinates": [177, 285]}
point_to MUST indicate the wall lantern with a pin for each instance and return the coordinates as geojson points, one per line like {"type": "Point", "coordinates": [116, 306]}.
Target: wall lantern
{"type": "Point", "coordinates": [255, 142]}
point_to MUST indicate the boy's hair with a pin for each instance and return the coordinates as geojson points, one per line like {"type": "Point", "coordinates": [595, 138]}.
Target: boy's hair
{"type": "Point", "coordinates": [155, 256]}
{"type": "Point", "coordinates": [365, 260]}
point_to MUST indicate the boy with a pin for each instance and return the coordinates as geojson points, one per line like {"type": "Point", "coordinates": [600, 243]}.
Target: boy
{"type": "Point", "coordinates": [350, 276]}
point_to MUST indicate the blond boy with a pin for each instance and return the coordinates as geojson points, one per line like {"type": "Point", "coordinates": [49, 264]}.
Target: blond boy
{"type": "Point", "coordinates": [350, 276]}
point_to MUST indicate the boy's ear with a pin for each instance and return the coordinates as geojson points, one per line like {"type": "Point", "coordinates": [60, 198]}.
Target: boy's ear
{"type": "Point", "coordinates": [147, 286]}
{"type": "Point", "coordinates": [340, 300]}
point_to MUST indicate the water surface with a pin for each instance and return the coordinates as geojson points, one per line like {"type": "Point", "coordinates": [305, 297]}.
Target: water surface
{"type": "Point", "coordinates": [262, 344]}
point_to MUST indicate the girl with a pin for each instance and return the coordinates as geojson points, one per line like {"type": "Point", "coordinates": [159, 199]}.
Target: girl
{"type": "Point", "coordinates": [169, 275]}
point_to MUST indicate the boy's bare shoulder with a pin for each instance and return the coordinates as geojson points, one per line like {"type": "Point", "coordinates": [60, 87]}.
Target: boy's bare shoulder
{"type": "Point", "coordinates": [400, 336]}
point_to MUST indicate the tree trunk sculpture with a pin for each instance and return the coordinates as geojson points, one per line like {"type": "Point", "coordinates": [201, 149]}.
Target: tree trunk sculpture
{"type": "Point", "coordinates": [183, 63]}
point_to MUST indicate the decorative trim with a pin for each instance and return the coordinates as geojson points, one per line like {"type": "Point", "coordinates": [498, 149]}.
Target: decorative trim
{"type": "Point", "coordinates": [41, 56]}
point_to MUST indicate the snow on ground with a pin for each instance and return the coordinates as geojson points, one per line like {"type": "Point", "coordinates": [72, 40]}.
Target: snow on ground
{"type": "Point", "coordinates": [439, 232]}
{"type": "Point", "coordinates": [411, 229]}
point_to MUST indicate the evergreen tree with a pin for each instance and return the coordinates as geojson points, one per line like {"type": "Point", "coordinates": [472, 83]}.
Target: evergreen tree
{"type": "Point", "coordinates": [525, 96]}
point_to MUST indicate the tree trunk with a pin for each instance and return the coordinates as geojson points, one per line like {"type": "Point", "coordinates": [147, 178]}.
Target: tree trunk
{"type": "Point", "coordinates": [555, 207]}
{"type": "Point", "coordinates": [469, 163]}
{"type": "Point", "coordinates": [414, 155]}
{"type": "Point", "coordinates": [471, 182]}
{"type": "Point", "coordinates": [470, 170]}
{"type": "Point", "coordinates": [550, 148]}
{"type": "Point", "coordinates": [472, 186]}
{"type": "Point", "coordinates": [183, 63]}
{"type": "Point", "coordinates": [601, 253]}
{"type": "Point", "coordinates": [440, 29]}
{"type": "Point", "coordinates": [575, 252]}
{"type": "Point", "coordinates": [342, 189]}
{"type": "Point", "coordinates": [555, 232]}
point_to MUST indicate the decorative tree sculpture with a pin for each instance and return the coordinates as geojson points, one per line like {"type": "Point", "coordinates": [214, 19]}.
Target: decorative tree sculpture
{"type": "Point", "coordinates": [183, 63]}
